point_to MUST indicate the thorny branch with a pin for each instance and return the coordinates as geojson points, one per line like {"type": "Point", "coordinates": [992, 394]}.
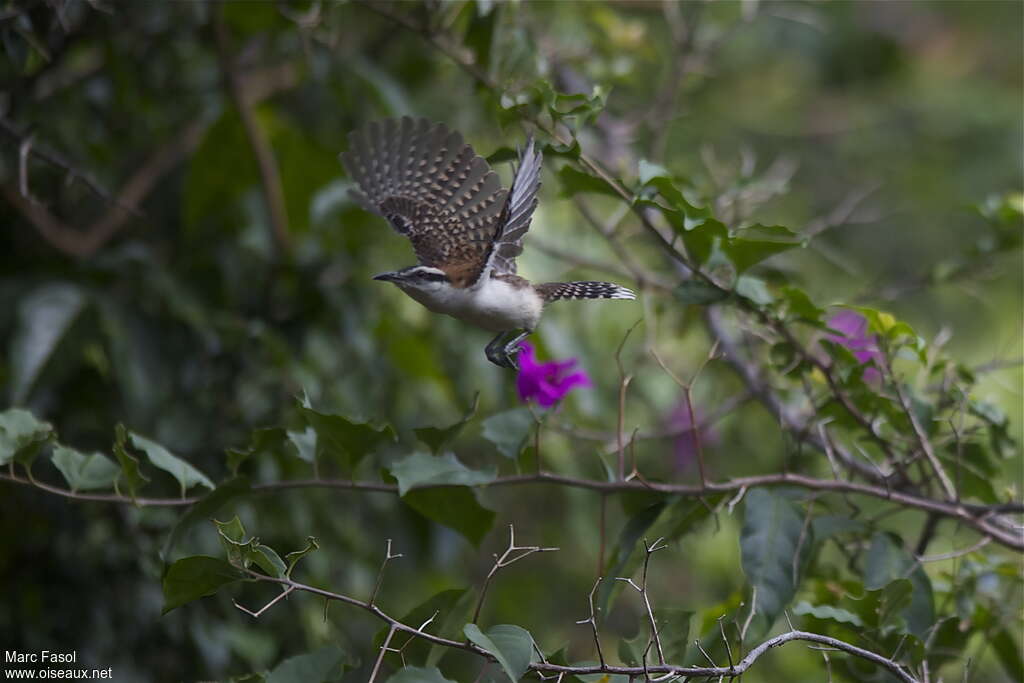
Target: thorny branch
{"type": "Point", "coordinates": [542, 667]}
{"type": "Point", "coordinates": [655, 638]}
{"type": "Point", "coordinates": [508, 557]}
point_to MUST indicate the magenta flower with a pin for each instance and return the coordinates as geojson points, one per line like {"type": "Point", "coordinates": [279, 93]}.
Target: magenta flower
{"type": "Point", "coordinates": [546, 383]}
{"type": "Point", "coordinates": [853, 328]}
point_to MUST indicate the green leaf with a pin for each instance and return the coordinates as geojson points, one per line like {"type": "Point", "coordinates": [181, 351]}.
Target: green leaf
{"type": "Point", "coordinates": [187, 475]}
{"type": "Point", "coordinates": [800, 305]}
{"type": "Point", "coordinates": [773, 534]}
{"type": "Point", "coordinates": [509, 430]}
{"type": "Point", "coordinates": [700, 293]}
{"type": "Point", "coordinates": [420, 469]}
{"type": "Point", "coordinates": [827, 612]}
{"type": "Point", "coordinates": [631, 533]}
{"type": "Point", "coordinates": [439, 437]}
{"type": "Point", "coordinates": [293, 557]}
{"type": "Point", "coordinates": [511, 645]}
{"type": "Point", "coordinates": [1007, 649]}
{"type": "Point", "coordinates": [703, 238]}
{"type": "Point", "coordinates": [346, 439]}
{"type": "Point", "coordinates": [886, 562]}
{"type": "Point", "coordinates": [883, 609]}
{"type": "Point", "coordinates": [22, 435]}
{"type": "Point", "coordinates": [576, 182]}
{"type": "Point", "coordinates": [45, 316]}
{"type": "Point", "coordinates": [261, 441]}
{"type": "Point", "coordinates": [194, 577]}
{"type": "Point", "coordinates": [456, 508]}
{"type": "Point", "coordinates": [131, 475]}
{"type": "Point", "coordinates": [242, 553]}
{"type": "Point", "coordinates": [415, 674]}
{"type": "Point", "coordinates": [304, 443]}
{"type": "Point", "coordinates": [754, 289]}
{"type": "Point", "coordinates": [319, 666]}
{"type": "Point", "coordinates": [85, 472]}
{"type": "Point", "coordinates": [759, 242]}
{"type": "Point", "coordinates": [205, 508]}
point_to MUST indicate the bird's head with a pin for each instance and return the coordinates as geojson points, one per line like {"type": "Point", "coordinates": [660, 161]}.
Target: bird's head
{"type": "Point", "coordinates": [417, 279]}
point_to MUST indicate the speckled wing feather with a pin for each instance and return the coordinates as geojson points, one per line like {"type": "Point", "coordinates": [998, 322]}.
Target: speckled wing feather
{"type": "Point", "coordinates": [522, 200]}
{"type": "Point", "coordinates": [432, 188]}
{"type": "Point", "coordinates": [555, 291]}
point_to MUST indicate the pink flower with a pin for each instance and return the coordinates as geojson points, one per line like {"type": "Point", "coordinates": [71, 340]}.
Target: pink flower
{"type": "Point", "coordinates": [853, 328]}
{"type": "Point", "coordinates": [546, 383]}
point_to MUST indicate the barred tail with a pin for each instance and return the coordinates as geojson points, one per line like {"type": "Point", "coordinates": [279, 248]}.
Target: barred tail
{"type": "Point", "coordinates": [553, 291]}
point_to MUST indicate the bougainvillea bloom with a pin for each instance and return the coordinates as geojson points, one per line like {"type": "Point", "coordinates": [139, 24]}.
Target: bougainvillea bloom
{"type": "Point", "coordinates": [853, 328]}
{"type": "Point", "coordinates": [546, 383]}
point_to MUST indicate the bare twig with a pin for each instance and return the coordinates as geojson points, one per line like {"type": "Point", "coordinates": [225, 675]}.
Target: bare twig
{"type": "Point", "coordinates": [256, 615]}
{"type": "Point", "coordinates": [624, 380]}
{"type": "Point", "coordinates": [508, 557]}
{"type": "Point", "coordinates": [922, 438]}
{"type": "Point", "coordinates": [642, 590]}
{"type": "Point", "coordinates": [380, 573]}
{"type": "Point", "coordinates": [380, 656]}
{"type": "Point", "coordinates": [592, 620]}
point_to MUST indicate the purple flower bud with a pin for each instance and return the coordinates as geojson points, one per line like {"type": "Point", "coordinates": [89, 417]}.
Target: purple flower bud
{"type": "Point", "coordinates": [546, 383]}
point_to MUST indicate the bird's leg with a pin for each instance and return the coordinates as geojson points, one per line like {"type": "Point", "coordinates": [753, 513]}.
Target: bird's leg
{"type": "Point", "coordinates": [502, 351]}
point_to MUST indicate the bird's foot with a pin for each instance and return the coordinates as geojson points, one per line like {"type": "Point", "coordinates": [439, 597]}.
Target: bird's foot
{"type": "Point", "coordinates": [504, 353]}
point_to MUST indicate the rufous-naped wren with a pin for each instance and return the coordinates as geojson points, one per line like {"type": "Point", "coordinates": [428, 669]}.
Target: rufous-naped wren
{"type": "Point", "coordinates": [465, 228]}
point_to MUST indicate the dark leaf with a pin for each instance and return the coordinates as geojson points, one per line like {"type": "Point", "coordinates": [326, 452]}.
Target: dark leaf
{"type": "Point", "coordinates": [131, 476]}
{"type": "Point", "coordinates": [887, 561]}
{"type": "Point", "coordinates": [456, 508]}
{"type": "Point", "coordinates": [194, 577]}
{"type": "Point", "coordinates": [319, 666]}
{"type": "Point", "coordinates": [773, 535]}
{"type": "Point", "coordinates": [509, 430]}
{"type": "Point", "coordinates": [439, 437]}
{"type": "Point", "coordinates": [420, 469]}
{"type": "Point", "coordinates": [700, 293]}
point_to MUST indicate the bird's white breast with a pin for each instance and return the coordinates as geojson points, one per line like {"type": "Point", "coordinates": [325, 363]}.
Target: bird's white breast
{"type": "Point", "coordinates": [491, 304]}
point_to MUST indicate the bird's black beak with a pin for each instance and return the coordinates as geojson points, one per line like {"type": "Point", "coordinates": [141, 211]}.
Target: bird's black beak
{"type": "Point", "coordinates": [386, 277]}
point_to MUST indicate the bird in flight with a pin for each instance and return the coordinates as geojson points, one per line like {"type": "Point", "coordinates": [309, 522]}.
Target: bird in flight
{"type": "Point", "coordinates": [465, 229]}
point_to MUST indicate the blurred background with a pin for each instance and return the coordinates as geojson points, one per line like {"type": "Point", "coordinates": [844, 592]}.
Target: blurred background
{"type": "Point", "coordinates": [144, 280]}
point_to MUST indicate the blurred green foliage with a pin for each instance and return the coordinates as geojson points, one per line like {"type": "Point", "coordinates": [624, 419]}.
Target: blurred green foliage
{"type": "Point", "coordinates": [803, 155]}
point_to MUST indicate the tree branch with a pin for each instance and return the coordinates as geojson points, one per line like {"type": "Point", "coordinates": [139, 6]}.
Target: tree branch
{"type": "Point", "coordinates": [977, 516]}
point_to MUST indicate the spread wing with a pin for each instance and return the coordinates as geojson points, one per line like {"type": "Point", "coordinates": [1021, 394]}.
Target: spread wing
{"type": "Point", "coordinates": [522, 200]}
{"type": "Point", "coordinates": [432, 188]}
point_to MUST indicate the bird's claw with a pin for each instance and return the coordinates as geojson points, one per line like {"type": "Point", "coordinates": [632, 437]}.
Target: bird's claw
{"type": "Point", "coordinates": [504, 357]}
